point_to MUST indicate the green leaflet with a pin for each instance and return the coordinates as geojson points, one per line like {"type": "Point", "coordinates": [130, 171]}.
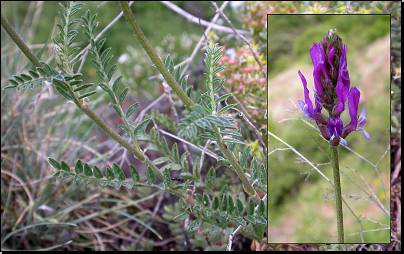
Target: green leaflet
{"type": "Point", "coordinates": [109, 174]}
{"type": "Point", "coordinates": [232, 140]}
{"type": "Point", "coordinates": [206, 202]}
{"type": "Point", "coordinates": [214, 229]}
{"type": "Point", "coordinates": [87, 95]}
{"type": "Point", "coordinates": [224, 205]}
{"type": "Point", "coordinates": [240, 221]}
{"type": "Point", "coordinates": [79, 167]}
{"type": "Point", "coordinates": [116, 83]}
{"type": "Point", "coordinates": [160, 160]}
{"type": "Point", "coordinates": [134, 174]}
{"type": "Point", "coordinates": [151, 178]}
{"type": "Point", "coordinates": [195, 225]}
{"type": "Point", "coordinates": [210, 179]}
{"type": "Point", "coordinates": [250, 207]}
{"type": "Point", "coordinates": [180, 217]}
{"type": "Point", "coordinates": [230, 205]}
{"type": "Point", "coordinates": [65, 167]}
{"type": "Point", "coordinates": [119, 174]}
{"type": "Point", "coordinates": [215, 203]}
{"type": "Point", "coordinates": [244, 157]}
{"type": "Point", "coordinates": [141, 127]}
{"type": "Point", "coordinates": [132, 109]}
{"type": "Point", "coordinates": [261, 208]}
{"type": "Point", "coordinates": [54, 163]}
{"type": "Point", "coordinates": [123, 95]}
{"type": "Point", "coordinates": [87, 170]}
{"type": "Point", "coordinates": [167, 178]}
{"type": "Point", "coordinates": [97, 172]}
{"type": "Point", "coordinates": [201, 118]}
{"type": "Point", "coordinates": [82, 87]}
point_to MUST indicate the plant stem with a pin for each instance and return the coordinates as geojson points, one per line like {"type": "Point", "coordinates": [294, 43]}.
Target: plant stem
{"type": "Point", "coordinates": [236, 167]}
{"type": "Point", "coordinates": [338, 197]}
{"type": "Point", "coordinates": [152, 54]}
{"type": "Point", "coordinates": [138, 154]}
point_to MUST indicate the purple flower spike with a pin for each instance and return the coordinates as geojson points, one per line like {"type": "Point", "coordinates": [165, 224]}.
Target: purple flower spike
{"type": "Point", "coordinates": [306, 106]}
{"type": "Point", "coordinates": [332, 90]}
{"type": "Point", "coordinates": [356, 122]}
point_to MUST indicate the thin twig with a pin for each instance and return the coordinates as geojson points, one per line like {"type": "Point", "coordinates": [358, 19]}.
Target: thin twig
{"type": "Point", "coordinates": [304, 158]}
{"type": "Point", "coordinates": [195, 20]}
{"type": "Point", "coordinates": [208, 152]}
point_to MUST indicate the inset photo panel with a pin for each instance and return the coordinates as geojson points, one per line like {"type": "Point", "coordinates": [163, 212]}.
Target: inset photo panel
{"type": "Point", "coordinates": [328, 128]}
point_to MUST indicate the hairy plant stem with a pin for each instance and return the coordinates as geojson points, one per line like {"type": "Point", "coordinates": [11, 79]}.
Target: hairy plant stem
{"type": "Point", "coordinates": [236, 167]}
{"type": "Point", "coordinates": [152, 54]}
{"type": "Point", "coordinates": [338, 196]}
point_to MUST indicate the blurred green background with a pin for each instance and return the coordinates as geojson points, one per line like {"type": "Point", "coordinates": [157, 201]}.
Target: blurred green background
{"type": "Point", "coordinates": [298, 212]}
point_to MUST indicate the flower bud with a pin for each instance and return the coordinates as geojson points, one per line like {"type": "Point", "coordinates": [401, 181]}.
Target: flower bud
{"type": "Point", "coordinates": [60, 59]}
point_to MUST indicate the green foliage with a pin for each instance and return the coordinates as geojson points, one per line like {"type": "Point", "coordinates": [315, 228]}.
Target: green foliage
{"type": "Point", "coordinates": [201, 118]}
{"type": "Point", "coordinates": [113, 177]}
{"type": "Point", "coordinates": [131, 109]}
{"type": "Point", "coordinates": [40, 75]}
{"type": "Point", "coordinates": [205, 115]}
{"type": "Point", "coordinates": [208, 236]}
{"type": "Point", "coordinates": [169, 64]}
{"type": "Point", "coordinates": [67, 83]}
{"type": "Point", "coordinates": [101, 61]}
{"type": "Point", "coordinates": [66, 38]}
{"type": "Point", "coordinates": [214, 212]}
